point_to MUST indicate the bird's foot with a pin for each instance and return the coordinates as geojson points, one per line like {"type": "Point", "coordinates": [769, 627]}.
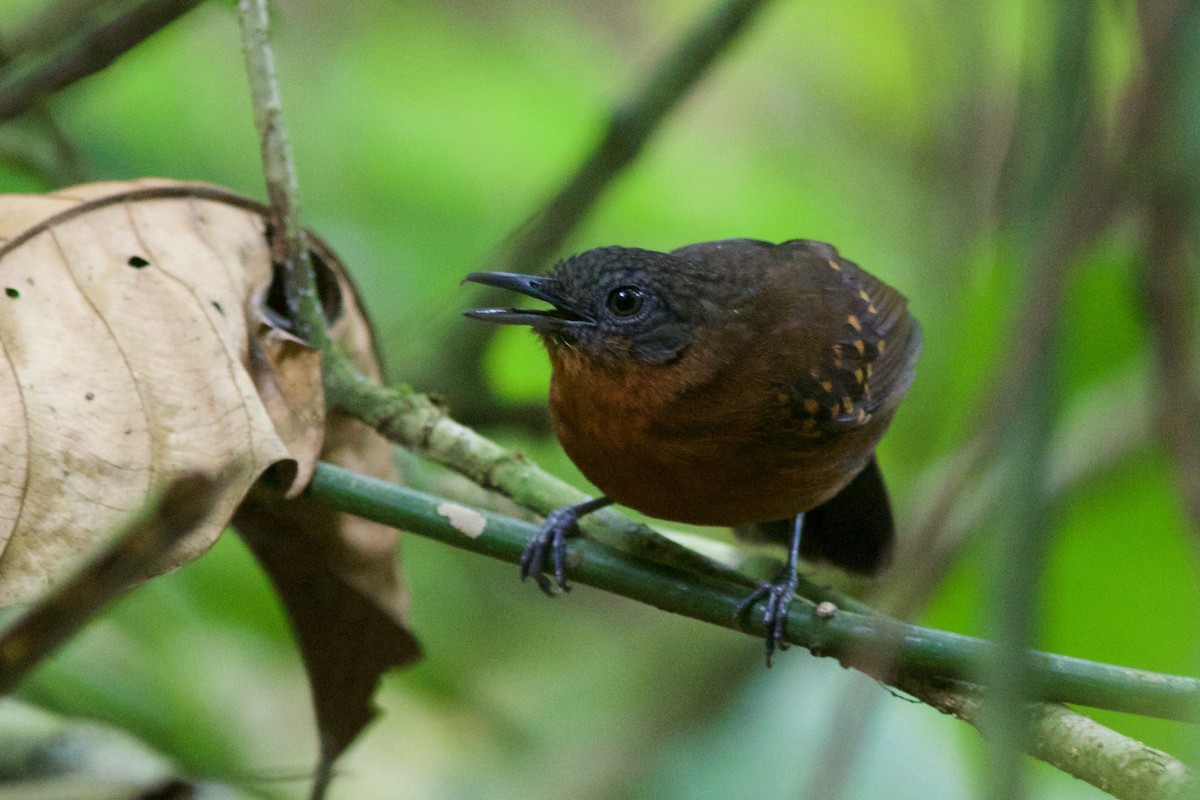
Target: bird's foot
{"type": "Point", "coordinates": [778, 595]}
{"type": "Point", "coordinates": [549, 547]}
{"type": "Point", "coordinates": [551, 540]}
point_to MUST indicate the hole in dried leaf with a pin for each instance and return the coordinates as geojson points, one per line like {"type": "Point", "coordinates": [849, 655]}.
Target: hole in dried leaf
{"type": "Point", "coordinates": [13, 293]}
{"type": "Point", "coordinates": [137, 262]}
{"type": "Point", "coordinates": [281, 475]}
{"type": "Point", "coordinates": [328, 291]}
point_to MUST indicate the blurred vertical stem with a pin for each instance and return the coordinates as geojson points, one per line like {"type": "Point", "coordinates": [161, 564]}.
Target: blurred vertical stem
{"type": "Point", "coordinates": [1165, 177]}
{"type": "Point", "coordinates": [1054, 205]}
{"type": "Point", "coordinates": [631, 125]}
{"type": "Point", "coordinates": [1167, 290]}
{"type": "Point", "coordinates": [1099, 186]}
{"type": "Point", "coordinates": [1016, 584]}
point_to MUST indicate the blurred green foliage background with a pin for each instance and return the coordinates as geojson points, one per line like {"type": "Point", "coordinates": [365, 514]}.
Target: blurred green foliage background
{"type": "Point", "coordinates": [908, 134]}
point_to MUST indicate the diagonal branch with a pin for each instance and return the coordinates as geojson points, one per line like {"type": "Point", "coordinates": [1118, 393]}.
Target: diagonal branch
{"type": "Point", "coordinates": [1075, 744]}
{"type": "Point", "coordinates": [57, 616]}
{"type": "Point", "coordinates": [22, 86]}
{"type": "Point", "coordinates": [629, 128]}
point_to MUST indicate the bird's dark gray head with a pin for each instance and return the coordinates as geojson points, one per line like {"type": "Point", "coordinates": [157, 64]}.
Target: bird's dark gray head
{"type": "Point", "coordinates": [613, 303]}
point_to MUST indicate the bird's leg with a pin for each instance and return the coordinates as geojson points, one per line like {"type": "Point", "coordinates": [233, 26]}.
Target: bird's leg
{"type": "Point", "coordinates": [559, 525]}
{"type": "Point", "coordinates": [778, 594]}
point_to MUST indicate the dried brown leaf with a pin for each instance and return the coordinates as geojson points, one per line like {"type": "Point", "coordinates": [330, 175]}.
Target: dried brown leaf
{"type": "Point", "coordinates": [137, 343]}
{"type": "Point", "coordinates": [123, 364]}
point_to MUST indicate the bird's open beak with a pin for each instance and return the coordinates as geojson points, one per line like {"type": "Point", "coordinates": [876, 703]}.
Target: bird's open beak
{"type": "Point", "coordinates": [558, 319]}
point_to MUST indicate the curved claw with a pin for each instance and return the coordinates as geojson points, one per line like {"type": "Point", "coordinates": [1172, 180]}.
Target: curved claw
{"type": "Point", "coordinates": [553, 535]}
{"type": "Point", "coordinates": [560, 524]}
{"type": "Point", "coordinates": [778, 594]}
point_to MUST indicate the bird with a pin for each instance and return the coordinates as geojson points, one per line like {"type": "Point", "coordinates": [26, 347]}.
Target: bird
{"type": "Point", "coordinates": [733, 383]}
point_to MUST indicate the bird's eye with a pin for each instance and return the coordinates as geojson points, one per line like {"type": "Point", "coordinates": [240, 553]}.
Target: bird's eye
{"type": "Point", "coordinates": [625, 301]}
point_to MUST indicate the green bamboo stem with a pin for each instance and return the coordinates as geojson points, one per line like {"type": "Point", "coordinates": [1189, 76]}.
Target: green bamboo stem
{"type": "Point", "coordinates": [846, 635]}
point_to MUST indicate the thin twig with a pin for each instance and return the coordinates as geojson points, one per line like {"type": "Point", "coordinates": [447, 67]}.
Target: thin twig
{"type": "Point", "coordinates": [289, 246]}
{"type": "Point", "coordinates": [1075, 744]}
{"type": "Point", "coordinates": [84, 55]}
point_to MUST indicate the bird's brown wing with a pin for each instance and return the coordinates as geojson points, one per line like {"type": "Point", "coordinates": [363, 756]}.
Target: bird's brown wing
{"type": "Point", "coordinates": [855, 344]}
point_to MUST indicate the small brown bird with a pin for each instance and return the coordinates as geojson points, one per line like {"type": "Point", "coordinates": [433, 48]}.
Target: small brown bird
{"type": "Point", "coordinates": [736, 383]}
